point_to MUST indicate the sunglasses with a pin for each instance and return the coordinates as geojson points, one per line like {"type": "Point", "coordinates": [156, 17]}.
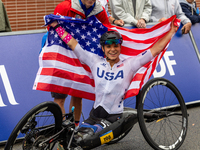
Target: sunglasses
{"type": "Point", "coordinates": [111, 41]}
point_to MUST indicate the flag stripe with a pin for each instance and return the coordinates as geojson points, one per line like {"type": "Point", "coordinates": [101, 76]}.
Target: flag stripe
{"type": "Point", "coordinates": [64, 59]}
{"type": "Point", "coordinates": [68, 90]}
{"type": "Point", "coordinates": [67, 75]}
{"type": "Point", "coordinates": [66, 83]}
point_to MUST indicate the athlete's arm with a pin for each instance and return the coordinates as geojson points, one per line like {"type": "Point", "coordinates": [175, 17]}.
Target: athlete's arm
{"type": "Point", "coordinates": [70, 41]}
{"type": "Point", "coordinates": [160, 44]}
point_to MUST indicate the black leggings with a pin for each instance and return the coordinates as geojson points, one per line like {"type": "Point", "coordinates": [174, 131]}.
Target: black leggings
{"type": "Point", "coordinates": [100, 113]}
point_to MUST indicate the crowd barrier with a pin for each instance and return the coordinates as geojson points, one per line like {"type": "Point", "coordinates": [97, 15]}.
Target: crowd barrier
{"type": "Point", "coordinates": [19, 64]}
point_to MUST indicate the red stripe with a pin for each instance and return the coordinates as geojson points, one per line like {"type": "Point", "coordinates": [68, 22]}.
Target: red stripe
{"type": "Point", "coordinates": [65, 90]}
{"type": "Point", "coordinates": [137, 77]}
{"type": "Point", "coordinates": [67, 75]}
{"type": "Point", "coordinates": [130, 51]}
{"type": "Point", "coordinates": [131, 93]}
{"type": "Point", "coordinates": [64, 59]}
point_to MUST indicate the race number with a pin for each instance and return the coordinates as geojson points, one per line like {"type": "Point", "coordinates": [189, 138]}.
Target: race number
{"type": "Point", "coordinates": [106, 137]}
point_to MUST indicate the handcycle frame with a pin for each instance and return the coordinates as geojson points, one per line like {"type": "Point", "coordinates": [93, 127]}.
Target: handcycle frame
{"type": "Point", "coordinates": [150, 120]}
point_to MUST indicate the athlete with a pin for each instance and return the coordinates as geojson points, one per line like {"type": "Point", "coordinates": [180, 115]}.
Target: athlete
{"type": "Point", "coordinates": [112, 76]}
{"type": "Point", "coordinates": [81, 9]}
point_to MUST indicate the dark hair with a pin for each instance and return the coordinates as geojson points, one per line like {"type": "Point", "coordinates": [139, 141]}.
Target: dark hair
{"type": "Point", "coordinates": [110, 35]}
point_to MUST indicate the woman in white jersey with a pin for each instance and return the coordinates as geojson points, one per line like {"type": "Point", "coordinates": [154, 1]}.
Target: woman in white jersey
{"type": "Point", "coordinates": [112, 76]}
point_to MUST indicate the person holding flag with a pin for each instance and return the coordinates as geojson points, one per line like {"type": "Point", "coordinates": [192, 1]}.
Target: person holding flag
{"type": "Point", "coordinates": [112, 76]}
{"type": "Point", "coordinates": [81, 9]}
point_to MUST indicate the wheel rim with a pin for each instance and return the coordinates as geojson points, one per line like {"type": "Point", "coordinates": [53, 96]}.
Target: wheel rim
{"type": "Point", "coordinates": [163, 132]}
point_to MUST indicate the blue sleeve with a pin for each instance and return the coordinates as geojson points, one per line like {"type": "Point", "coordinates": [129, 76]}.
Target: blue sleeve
{"type": "Point", "coordinates": [44, 38]}
{"type": "Point", "coordinates": [108, 14]}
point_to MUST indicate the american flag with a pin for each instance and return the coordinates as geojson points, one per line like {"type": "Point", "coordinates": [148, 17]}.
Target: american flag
{"type": "Point", "coordinates": [60, 71]}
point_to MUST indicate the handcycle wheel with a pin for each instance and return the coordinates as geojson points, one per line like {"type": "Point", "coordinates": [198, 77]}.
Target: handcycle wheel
{"type": "Point", "coordinates": [37, 125]}
{"type": "Point", "coordinates": [162, 115]}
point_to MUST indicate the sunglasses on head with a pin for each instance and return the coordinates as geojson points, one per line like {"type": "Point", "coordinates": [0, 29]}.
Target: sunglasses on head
{"type": "Point", "coordinates": [111, 41]}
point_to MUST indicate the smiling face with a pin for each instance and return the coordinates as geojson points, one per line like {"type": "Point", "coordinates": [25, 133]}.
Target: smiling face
{"type": "Point", "coordinates": [112, 52]}
{"type": "Point", "coordinates": [88, 3]}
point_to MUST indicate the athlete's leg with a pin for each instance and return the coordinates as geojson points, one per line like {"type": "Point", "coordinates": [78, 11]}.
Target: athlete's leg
{"type": "Point", "coordinates": [61, 103]}
{"type": "Point", "coordinates": [77, 103]}
{"type": "Point", "coordinates": [60, 100]}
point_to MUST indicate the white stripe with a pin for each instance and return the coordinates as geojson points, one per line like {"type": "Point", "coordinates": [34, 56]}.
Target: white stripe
{"type": "Point", "coordinates": [141, 70]}
{"type": "Point", "coordinates": [134, 85]}
{"type": "Point", "coordinates": [58, 49]}
{"type": "Point", "coordinates": [65, 67]}
{"type": "Point", "coordinates": [144, 36]}
{"type": "Point", "coordinates": [66, 83]}
{"type": "Point", "coordinates": [136, 46]}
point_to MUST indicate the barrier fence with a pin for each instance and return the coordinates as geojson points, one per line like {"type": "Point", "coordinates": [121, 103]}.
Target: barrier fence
{"type": "Point", "coordinates": [19, 64]}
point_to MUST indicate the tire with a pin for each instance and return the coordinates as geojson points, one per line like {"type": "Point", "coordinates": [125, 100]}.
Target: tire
{"type": "Point", "coordinates": [30, 131]}
{"type": "Point", "coordinates": [162, 132]}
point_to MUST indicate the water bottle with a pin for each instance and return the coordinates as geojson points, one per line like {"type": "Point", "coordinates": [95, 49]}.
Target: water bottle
{"type": "Point", "coordinates": [197, 10]}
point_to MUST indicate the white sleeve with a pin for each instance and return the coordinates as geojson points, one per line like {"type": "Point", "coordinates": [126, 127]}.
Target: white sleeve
{"type": "Point", "coordinates": [140, 60]}
{"type": "Point", "coordinates": [84, 56]}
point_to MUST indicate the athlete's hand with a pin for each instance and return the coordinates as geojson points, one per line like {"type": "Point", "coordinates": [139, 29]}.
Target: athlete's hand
{"type": "Point", "coordinates": [174, 25]}
{"type": "Point", "coordinates": [54, 23]}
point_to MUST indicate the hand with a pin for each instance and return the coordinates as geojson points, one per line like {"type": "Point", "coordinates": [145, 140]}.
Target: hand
{"type": "Point", "coordinates": [186, 28]}
{"type": "Point", "coordinates": [141, 23]}
{"type": "Point", "coordinates": [174, 26]}
{"type": "Point", "coordinates": [54, 23]}
{"type": "Point", "coordinates": [119, 22]}
{"type": "Point", "coordinates": [162, 19]}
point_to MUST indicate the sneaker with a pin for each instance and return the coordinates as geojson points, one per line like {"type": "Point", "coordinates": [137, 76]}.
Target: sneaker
{"type": "Point", "coordinates": [76, 128]}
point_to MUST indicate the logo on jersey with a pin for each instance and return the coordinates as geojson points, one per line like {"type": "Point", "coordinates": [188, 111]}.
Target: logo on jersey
{"type": "Point", "coordinates": [104, 64]}
{"type": "Point", "coordinates": [144, 52]}
{"type": "Point", "coordinates": [110, 75]}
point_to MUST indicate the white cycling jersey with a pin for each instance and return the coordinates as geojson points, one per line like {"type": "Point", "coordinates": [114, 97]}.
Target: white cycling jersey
{"type": "Point", "coordinates": [111, 83]}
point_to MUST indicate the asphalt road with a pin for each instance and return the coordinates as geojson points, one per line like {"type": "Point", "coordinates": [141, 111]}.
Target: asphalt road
{"type": "Point", "coordinates": [135, 140]}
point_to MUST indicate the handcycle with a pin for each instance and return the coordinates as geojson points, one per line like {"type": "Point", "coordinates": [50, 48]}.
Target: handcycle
{"type": "Point", "coordinates": [160, 110]}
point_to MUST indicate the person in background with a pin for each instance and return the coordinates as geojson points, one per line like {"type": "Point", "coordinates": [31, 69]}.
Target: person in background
{"type": "Point", "coordinates": [189, 8]}
{"type": "Point", "coordinates": [163, 9]}
{"type": "Point", "coordinates": [4, 21]}
{"type": "Point", "coordinates": [111, 19]}
{"type": "Point", "coordinates": [78, 9]}
{"type": "Point", "coordinates": [134, 12]}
